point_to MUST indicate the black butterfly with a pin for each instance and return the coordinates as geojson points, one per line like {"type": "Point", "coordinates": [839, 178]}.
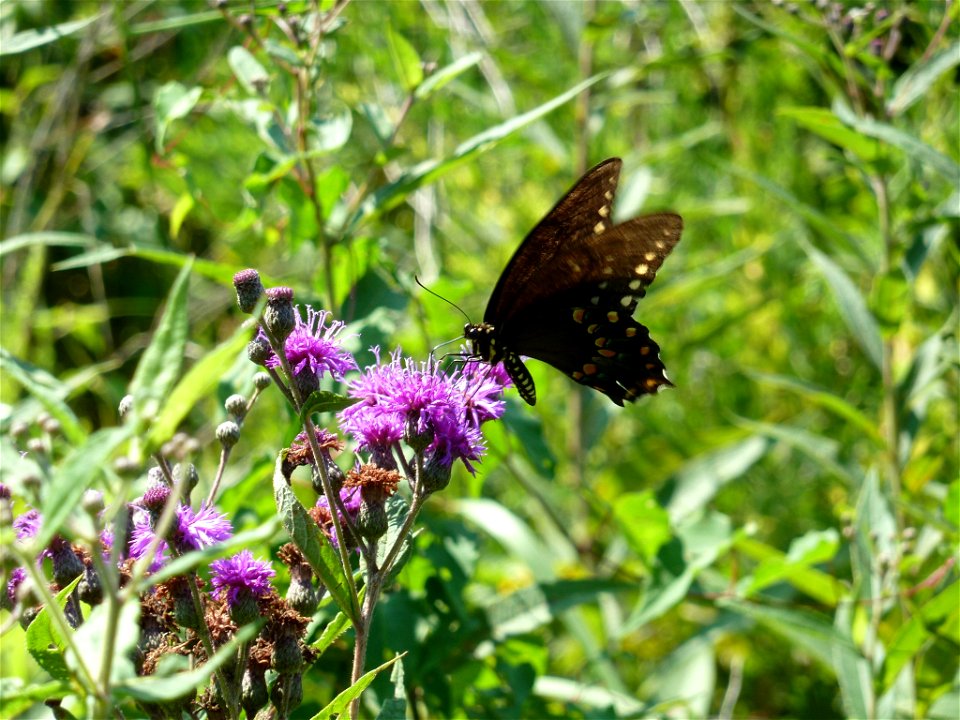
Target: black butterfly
{"type": "Point", "coordinates": [568, 294]}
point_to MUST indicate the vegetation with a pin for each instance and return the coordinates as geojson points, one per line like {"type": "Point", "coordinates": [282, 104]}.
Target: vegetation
{"type": "Point", "coordinates": [775, 537]}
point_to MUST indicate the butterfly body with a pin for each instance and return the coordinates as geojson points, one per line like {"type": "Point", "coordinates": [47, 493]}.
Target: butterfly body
{"type": "Point", "coordinates": [568, 294]}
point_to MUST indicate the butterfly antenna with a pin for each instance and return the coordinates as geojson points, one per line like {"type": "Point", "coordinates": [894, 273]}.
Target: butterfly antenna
{"type": "Point", "coordinates": [448, 302]}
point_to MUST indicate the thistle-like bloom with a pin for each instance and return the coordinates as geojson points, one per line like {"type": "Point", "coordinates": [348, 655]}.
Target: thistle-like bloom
{"type": "Point", "coordinates": [17, 576]}
{"type": "Point", "coordinates": [418, 402]}
{"type": "Point", "coordinates": [191, 531]}
{"type": "Point", "coordinates": [241, 575]}
{"type": "Point", "coordinates": [27, 524]}
{"type": "Point", "coordinates": [315, 345]}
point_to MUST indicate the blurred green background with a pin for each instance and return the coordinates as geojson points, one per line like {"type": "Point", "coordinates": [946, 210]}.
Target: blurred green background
{"type": "Point", "coordinates": [776, 537]}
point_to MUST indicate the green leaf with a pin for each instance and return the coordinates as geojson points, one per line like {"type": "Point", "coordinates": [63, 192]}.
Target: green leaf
{"type": "Point", "coordinates": [248, 70]}
{"type": "Point", "coordinates": [185, 203]}
{"type": "Point", "coordinates": [852, 669]}
{"type": "Point", "coordinates": [157, 689]}
{"type": "Point", "coordinates": [16, 698]}
{"type": "Point", "coordinates": [160, 364]}
{"type": "Point", "coordinates": [775, 566]}
{"type": "Point", "coordinates": [528, 429]}
{"type": "Point", "coordinates": [577, 694]}
{"type": "Point", "coordinates": [441, 77]}
{"type": "Point", "coordinates": [406, 61]}
{"type": "Point", "coordinates": [825, 399]}
{"type": "Point", "coordinates": [394, 193]}
{"type": "Point", "coordinates": [48, 390]}
{"type": "Point", "coordinates": [77, 473]}
{"type": "Point", "coordinates": [644, 523]}
{"type": "Point", "coordinates": [510, 531]}
{"type": "Point", "coordinates": [334, 629]}
{"type": "Point", "coordinates": [198, 383]}
{"type": "Point", "coordinates": [911, 638]}
{"type": "Point", "coordinates": [172, 102]}
{"type": "Point", "coordinates": [852, 306]}
{"type": "Point", "coordinates": [331, 129]}
{"type": "Point", "coordinates": [44, 642]}
{"type": "Point", "coordinates": [810, 549]}
{"type": "Point", "coordinates": [308, 538]}
{"type": "Point", "coordinates": [696, 546]}
{"type": "Point", "coordinates": [321, 401]}
{"type": "Point", "coordinates": [687, 675]}
{"type": "Point", "coordinates": [30, 39]}
{"type": "Point", "coordinates": [919, 78]}
{"type": "Point", "coordinates": [695, 484]}
{"type": "Point", "coordinates": [828, 126]}
{"type": "Point", "coordinates": [52, 239]}
{"type": "Point", "coordinates": [92, 635]}
{"type": "Point", "coordinates": [395, 708]}
{"type": "Point", "coordinates": [338, 706]}
{"type": "Point", "coordinates": [917, 150]}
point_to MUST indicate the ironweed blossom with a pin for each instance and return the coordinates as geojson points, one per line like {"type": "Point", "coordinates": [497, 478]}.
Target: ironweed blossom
{"type": "Point", "coordinates": [315, 345]}
{"type": "Point", "coordinates": [241, 575]}
{"type": "Point", "coordinates": [192, 530]}
{"type": "Point", "coordinates": [443, 411]}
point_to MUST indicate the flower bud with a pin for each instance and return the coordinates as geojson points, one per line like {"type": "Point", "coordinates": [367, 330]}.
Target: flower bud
{"type": "Point", "coordinates": [35, 446]}
{"type": "Point", "coordinates": [302, 596]}
{"type": "Point", "coordinates": [228, 433]}
{"type": "Point", "coordinates": [436, 474]}
{"type": "Point", "coordinates": [90, 589]}
{"type": "Point", "coordinates": [307, 382]}
{"type": "Point", "coordinates": [259, 351]}
{"type": "Point", "coordinates": [279, 318]}
{"type": "Point", "coordinates": [236, 405]}
{"type": "Point", "coordinates": [126, 405]}
{"type": "Point", "coordinates": [249, 289]}
{"type": "Point", "coordinates": [262, 380]}
{"type": "Point", "coordinates": [418, 441]}
{"type": "Point", "coordinates": [372, 520]}
{"type": "Point", "coordinates": [66, 564]}
{"type": "Point", "coordinates": [19, 430]}
{"type": "Point", "coordinates": [287, 657]}
{"type": "Point", "coordinates": [51, 426]}
{"type": "Point", "coordinates": [287, 694]}
{"type": "Point", "coordinates": [244, 609]}
{"type": "Point", "coordinates": [187, 476]}
{"type": "Point", "coordinates": [92, 502]}
{"type": "Point", "coordinates": [155, 476]}
{"type": "Point", "coordinates": [253, 691]}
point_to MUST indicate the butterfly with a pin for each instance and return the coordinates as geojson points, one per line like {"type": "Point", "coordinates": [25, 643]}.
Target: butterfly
{"type": "Point", "coordinates": [568, 294]}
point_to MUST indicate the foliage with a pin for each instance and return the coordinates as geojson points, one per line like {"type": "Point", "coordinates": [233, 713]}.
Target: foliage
{"type": "Point", "coordinates": [775, 537]}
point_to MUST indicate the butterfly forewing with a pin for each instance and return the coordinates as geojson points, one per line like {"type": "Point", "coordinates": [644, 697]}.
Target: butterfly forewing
{"type": "Point", "coordinates": [585, 208]}
{"type": "Point", "coordinates": [568, 295]}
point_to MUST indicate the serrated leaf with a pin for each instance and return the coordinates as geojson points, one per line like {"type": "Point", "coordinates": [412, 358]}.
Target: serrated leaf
{"type": "Point", "coordinates": [43, 639]}
{"type": "Point", "coordinates": [247, 69]}
{"type": "Point", "coordinates": [160, 364]}
{"type": "Point", "coordinates": [316, 549]}
{"type": "Point", "coordinates": [338, 706]}
{"type": "Point", "coordinates": [321, 401]}
{"type": "Point", "coordinates": [852, 306]}
{"type": "Point", "coordinates": [914, 83]}
{"type": "Point", "coordinates": [154, 688]}
{"type": "Point", "coordinates": [406, 61]}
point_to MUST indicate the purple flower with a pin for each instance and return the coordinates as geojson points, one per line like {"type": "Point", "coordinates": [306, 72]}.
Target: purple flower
{"type": "Point", "coordinates": [27, 524]}
{"type": "Point", "coordinates": [191, 531]}
{"type": "Point", "coordinates": [324, 518]}
{"type": "Point", "coordinates": [315, 345]}
{"type": "Point", "coordinates": [17, 576]}
{"type": "Point", "coordinates": [402, 396]}
{"type": "Point", "coordinates": [241, 574]}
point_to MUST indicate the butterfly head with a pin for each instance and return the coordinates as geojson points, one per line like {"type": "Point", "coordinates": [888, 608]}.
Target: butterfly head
{"type": "Point", "coordinates": [483, 342]}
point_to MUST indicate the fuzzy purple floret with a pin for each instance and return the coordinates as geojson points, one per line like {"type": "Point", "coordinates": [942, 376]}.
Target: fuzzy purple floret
{"type": "Point", "coordinates": [316, 345]}
{"type": "Point", "coordinates": [241, 573]}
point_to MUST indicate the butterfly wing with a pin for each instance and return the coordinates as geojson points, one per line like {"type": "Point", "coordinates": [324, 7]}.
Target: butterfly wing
{"type": "Point", "coordinates": [585, 328]}
{"type": "Point", "coordinates": [585, 209]}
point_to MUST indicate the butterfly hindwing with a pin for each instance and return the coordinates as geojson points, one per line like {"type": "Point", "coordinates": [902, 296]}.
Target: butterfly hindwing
{"type": "Point", "coordinates": [568, 295]}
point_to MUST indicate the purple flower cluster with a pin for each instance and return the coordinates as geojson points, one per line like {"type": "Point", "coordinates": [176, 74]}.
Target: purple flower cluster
{"type": "Point", "coordinates": [315, 346]}
{"type": "Point", "coordinates": [401, 396]}
{"type": "Point", "coordinates": [321, 513]}
{"type": "Point", "coordinates": [191, 531]}
{"type": "Point", "coordinates": [241, 574]}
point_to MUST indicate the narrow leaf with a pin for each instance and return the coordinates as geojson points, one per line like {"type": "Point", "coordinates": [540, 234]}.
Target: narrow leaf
{"type": "Point", "coordinates": [914, 83]}
{"type": "Point", "coordinates": [406, 61]}
{"type": "Point", "coordinates": [645, 524]}
{"type": "Point", "coordinates": [825, 124]}
{"type": "Point", "coordinates": [321, 401]}
{"type": "Point", "coordinates": [30, 39]}
{"type": "Point", "coordinates": [172, 102]}
{"type": "Point", "coordinates": [852, 306]}
{"type": "Point", "coordinates": [341, 702]}
{"type": "Point", "coordinates": [441, 77]}
{"type": "Point", "coordinates": [160, 364]}
{"type": "Point", "coordinates": [247, 69]}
